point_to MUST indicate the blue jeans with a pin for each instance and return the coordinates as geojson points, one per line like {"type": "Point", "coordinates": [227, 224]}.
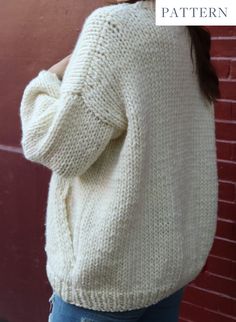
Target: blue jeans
{"type": "Point", "coordinates": [167, 310]}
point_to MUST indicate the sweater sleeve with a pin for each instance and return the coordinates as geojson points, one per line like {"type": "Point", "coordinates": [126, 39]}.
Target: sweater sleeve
{"type": "Point", "coordinates": [67, 124]}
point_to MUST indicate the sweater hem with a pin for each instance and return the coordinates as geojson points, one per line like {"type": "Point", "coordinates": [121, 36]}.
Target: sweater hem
{"type": "Point", "coordinates": [104, 301]}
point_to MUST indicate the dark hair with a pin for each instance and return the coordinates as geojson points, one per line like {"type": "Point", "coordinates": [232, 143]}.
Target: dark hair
{"type": "Point", "coordinates": [201, 41]}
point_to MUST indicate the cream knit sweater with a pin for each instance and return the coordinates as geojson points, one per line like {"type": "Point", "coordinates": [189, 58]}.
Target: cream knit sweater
{"type": "Point", "coordinates": [132, 203]}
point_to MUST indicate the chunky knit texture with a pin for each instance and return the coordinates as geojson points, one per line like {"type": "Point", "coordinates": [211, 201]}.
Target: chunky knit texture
{"type": "Point", "coordinates": [132, 203]}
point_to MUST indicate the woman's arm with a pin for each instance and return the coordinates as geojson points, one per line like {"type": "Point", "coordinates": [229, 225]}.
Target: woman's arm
{"type": "Point", "coordinates": [67, 124]}
{"type": "Point", "coordinates": [59, 132]}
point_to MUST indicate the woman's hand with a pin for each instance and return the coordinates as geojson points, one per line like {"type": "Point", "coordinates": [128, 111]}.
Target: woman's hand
{"type": "Point", "coordinates": [59, 68]}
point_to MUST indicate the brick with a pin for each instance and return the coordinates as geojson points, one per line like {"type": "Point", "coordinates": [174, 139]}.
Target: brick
{"type": "Point", "coordinates": [227, 170]}
{"type": "Point", "coordinates": [224, 248]}
{"type": "Point", "coordinates": [228, 89]}
{"type": "Point", "coordinates": [227, 191]}
{"type": "Point", "coordinates": [220, 266]}
{"type": "Point", "coordinates": [232, 69]}
{"type": "Point", "coordinates": [208, 299]}
{"type": "Point", "coordinates": [233, 151]}
{"type": "Point", "coordinates": [233, 111]}
{"type": "Point", "coordinates": [195, 313]}
{"type": "Point", "coordinates": [226, 31]}
{"type": "Point", "coordinates": [223, 110]}
{"type": "Point", "coordinates": [226, 229]}
{"type": "Point", "coordinates": [225, 150]}
{"type": "Point", "coordinates": [226, 210]}
{"type": "Point", "coordinates": [225, 130]}
{"type": "Point", "coordinates": [217, 284]}
{"type": "Point", "coordinates": [223, 48]}
{"type": "Point", "coordinates": [233, 270]}
{"type": "Point", "coordinates": [222, 67]}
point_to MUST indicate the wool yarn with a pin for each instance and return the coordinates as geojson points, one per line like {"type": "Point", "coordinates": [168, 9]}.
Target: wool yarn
{"type": "Point", "coordinates": [130, 140]}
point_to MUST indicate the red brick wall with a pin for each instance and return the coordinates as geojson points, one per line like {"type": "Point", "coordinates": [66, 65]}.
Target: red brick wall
{"type": "Point", "coordinates": [211, 297]}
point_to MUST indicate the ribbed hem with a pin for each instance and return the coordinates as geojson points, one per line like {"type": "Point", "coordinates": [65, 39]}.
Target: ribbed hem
{"type": "Point", "coordinates": [100, 301]}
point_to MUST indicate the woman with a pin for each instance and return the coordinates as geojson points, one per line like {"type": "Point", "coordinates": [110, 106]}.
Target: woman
{"type": "Point", "coordinates": [126, 124]}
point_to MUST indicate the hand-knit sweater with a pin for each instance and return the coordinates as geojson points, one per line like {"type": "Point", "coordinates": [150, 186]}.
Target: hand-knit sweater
{"type": "Point", "coordinates": [130, 140]}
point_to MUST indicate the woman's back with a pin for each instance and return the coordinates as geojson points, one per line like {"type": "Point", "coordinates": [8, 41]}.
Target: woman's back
{"type": "Point", "coordinates": [132, 219]}
{"type": "Point", "coordinates": [176, 174]}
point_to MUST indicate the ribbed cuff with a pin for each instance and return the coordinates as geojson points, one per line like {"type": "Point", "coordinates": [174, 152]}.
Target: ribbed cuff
{"type": "Point", "coordinates": [51, 76]}
{"type": "Point", "coordinates": [50, 81]}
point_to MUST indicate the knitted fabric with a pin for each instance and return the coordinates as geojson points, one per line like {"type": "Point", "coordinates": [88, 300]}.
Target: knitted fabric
{"type": "Point", "coordinates": [130, 140]}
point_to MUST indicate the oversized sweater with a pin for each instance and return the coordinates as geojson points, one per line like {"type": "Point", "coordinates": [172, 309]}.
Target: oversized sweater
{"type": "Point", "coordinates": [130, 140]}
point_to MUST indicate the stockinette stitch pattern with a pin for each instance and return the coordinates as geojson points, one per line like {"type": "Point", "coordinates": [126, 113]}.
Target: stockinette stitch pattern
{"type": "Point", "coordinates": [130, 140]}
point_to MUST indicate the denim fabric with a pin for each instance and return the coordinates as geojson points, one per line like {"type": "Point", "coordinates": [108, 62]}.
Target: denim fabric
{"type": "Point", "coordinates": [167, 310]}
